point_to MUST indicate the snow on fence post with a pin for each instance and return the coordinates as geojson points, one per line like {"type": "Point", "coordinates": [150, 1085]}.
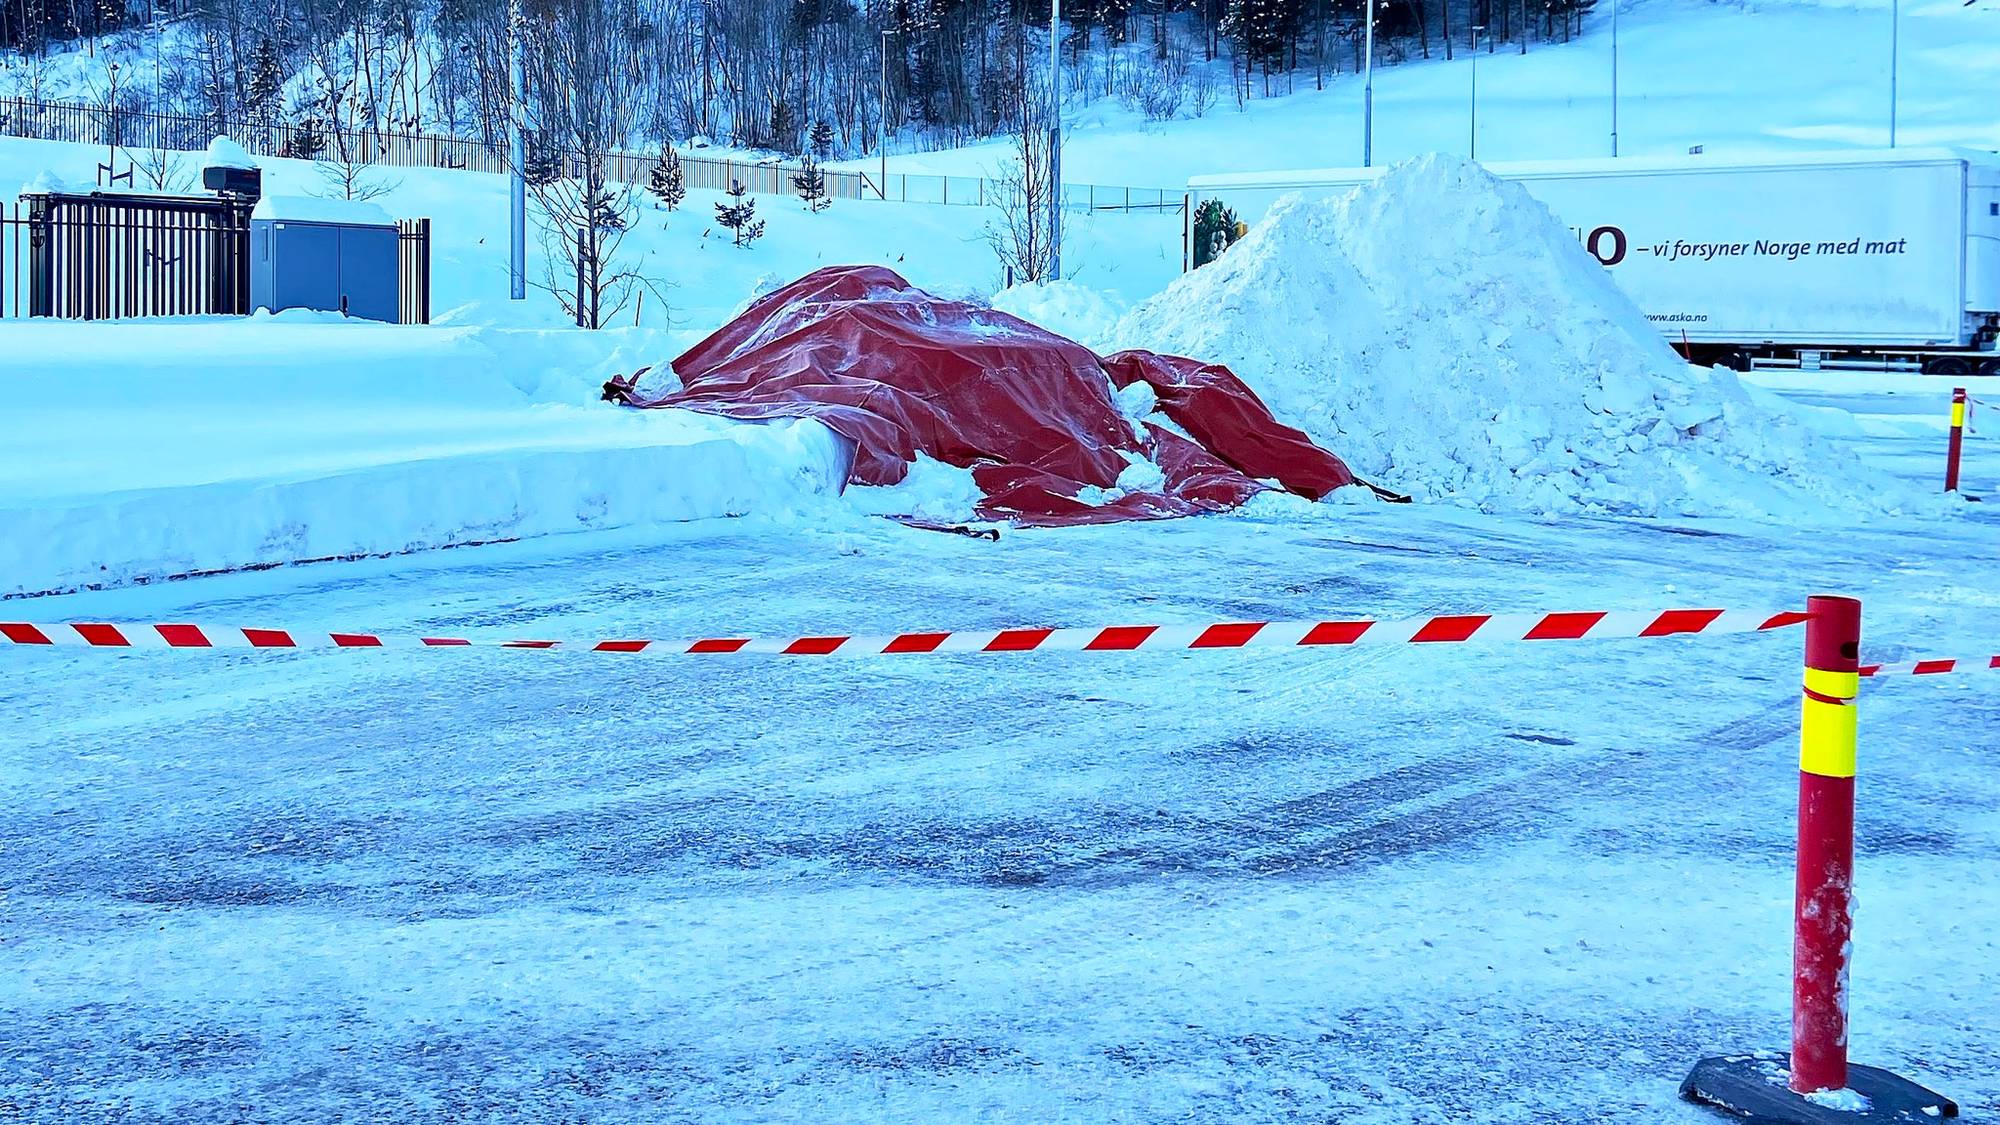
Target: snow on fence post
{"type": "Point", "coordinates": [1957, 445]}
{"type": "Point", "coordinates": [1814, 1085]}
{"type": "Point", "coordinates": [1823, 905]}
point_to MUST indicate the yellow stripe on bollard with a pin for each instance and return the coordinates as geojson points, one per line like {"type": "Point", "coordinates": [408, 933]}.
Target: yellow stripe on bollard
{"type": "Point", "coordinates": [1828, 729]}
{"type": "Point", "coordinates": [1958, 414]}
{"type": "Point", "coordinates": [1835, 685]}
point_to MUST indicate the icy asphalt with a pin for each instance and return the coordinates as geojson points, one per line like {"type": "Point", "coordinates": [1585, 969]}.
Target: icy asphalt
{"type": "Point", "coordinates": [1512, 884]}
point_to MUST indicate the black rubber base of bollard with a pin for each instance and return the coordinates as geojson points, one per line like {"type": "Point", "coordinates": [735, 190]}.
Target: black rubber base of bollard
{"type": "Point", "coordinates": [1753, 1087]}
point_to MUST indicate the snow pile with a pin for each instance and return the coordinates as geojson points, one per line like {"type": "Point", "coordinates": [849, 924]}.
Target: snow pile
{"type": "Point", "coordinates": [933, 492]}
{"type": "Point", "coordinates": [1067, 308]}
{"type": "Point", "coordinates": [1443, 332]}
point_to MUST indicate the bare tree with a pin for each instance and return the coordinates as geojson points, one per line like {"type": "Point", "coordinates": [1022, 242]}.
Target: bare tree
{"type": "Point", "coordinates": [1020, 236]}
{"type": "Point", "coordinates": [581, 71]}
{"type": "Point", "coordinates": [347, 168]}
{"type": "Point", "coordinates": [162, 169]}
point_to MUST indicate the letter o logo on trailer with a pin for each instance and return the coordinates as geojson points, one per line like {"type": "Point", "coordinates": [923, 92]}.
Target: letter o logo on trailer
{"type": "Point", "coordinates": [1595, 244]}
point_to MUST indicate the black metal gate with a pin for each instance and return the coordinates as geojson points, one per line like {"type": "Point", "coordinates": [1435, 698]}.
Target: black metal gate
{"type": "Point", "coordinates": [413, 270]}
{"type": "Point", "coordinates": [102, 255]}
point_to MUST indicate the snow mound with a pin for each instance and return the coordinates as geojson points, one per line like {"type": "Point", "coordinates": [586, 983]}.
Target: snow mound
{"type": "Point", "coordinates": [225, 153]}
{"type": "Point", "coordinates": [1451, 338]}
{"type": "Point", "coordinates": [1066, 308]}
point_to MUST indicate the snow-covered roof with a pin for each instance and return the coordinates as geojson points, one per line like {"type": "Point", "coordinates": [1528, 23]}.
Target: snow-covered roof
{"type": "Point", "coordinates": [314, 209]}
{"type": "Point", "coordinates": [225, 153]}
{"type": "Point", "coordinates": [1528, 169]}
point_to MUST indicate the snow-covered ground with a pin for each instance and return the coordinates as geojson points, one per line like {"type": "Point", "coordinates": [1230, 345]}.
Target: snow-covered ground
{"type": "Point", "coordinates": [1486, 885]}
{"type": "Point", "coordinates": [1495, 885]}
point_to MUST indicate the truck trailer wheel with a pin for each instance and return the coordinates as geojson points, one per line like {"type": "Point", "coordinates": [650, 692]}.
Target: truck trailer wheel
{"type": "Point", "coordinates": [1990, 367]}
{"type": "Point", "coordinates": [1949, 366]}
{"type": "Point", "coordinates": [1736, 359]}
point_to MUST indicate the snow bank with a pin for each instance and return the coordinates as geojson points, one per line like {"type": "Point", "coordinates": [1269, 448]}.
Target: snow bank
{"type": "Point", "coordinates": [413, 505]}
{"type": "Point", "coordinates": [1444, 334]}
{"type": "Point", "coordinates": [164, 449]}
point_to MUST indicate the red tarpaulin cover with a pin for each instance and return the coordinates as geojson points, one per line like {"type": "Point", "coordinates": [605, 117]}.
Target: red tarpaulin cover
{"type": "Point", "coordinates": [899, 372]}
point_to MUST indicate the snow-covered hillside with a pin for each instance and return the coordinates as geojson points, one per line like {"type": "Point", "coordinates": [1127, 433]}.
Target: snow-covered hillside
{"type": "Point", "coordinates": [1757, 75]}
{"type": "Point", "coordinates": [1729, 75]}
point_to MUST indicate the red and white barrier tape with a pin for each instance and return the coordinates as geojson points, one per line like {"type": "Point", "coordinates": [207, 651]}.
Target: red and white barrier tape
{"type": "Point", "coordinates": [1444, 629]}
{"type": "Point", "coordinates": [1933, 667]}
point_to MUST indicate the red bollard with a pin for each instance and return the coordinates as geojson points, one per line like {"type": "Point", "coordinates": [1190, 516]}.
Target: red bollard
{"type": "Point", "coordinates": [1823, 917]}
{"type": "Point", "coordinates": [1814, 1085]}
{"type": "Point", "coordinates": [1958, 405]}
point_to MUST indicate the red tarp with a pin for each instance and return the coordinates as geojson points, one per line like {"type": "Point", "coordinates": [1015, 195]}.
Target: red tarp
{"type": "Point", "coordinates": [899, 372]}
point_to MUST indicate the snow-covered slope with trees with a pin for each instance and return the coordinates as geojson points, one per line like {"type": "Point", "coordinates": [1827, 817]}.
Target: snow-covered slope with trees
{"type": "Point", "coordinates": [1155, 90]}
{"type": "Point", "coordinates": [1764, 76]}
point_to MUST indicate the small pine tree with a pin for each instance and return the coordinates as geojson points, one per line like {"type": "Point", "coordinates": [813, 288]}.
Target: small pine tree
{"type": "Point", "coordinates": [1215, 228]}
{"type": "Point", "coordinates": [540, 167]}
{"type": "Point", "coordinates": [740, 215]}
{"type": "Point", "coordinates": [822, 140]}
{"type": "Point", "coordinates": [606, 214]}
{"type": "Point", "coordinates": [667, 182]}
{"type": "Point", "coordinates": [784, 127]}
{"type": "Point", "coordinates": [810, 180]}
{"type": "Point", "coordinates": [307, 141]}
{"type": "Point", "coordinates": [267, 79]}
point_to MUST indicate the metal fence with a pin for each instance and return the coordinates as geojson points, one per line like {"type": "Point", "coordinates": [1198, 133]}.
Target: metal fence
{"type": "Point", "coordinates": [413, 271]}
{"type": "Point", "coordinates": [135, 129]}
{"type": "Point", "coordinates": [100, 256]}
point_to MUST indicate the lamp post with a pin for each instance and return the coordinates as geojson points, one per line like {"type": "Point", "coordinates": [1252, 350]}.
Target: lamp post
{"type": "Point", "coordinates": [1895, 57]}
{"type": "Point", "coordinates": [882, 122]}
{"type": "Point", "coordinates": [1055, 144]}
{"type": "Point", "coordinates": [1615, 5]}
{"type": "Point", "coordinates": [517, 152]}
{"type": "Point", "coordinates": [1368, 93]}
{"type": "Point", "coordinates": [1477, 30]}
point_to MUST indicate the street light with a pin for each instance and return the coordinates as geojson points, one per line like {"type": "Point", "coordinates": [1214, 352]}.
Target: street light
{"type": "Point", "coordinates": [882, 121]}
{"type": "Point", "coordinates": [1368, 94]}
{"type": "Point", "coordinates": [1895, 57]}
{"type": "Point", "coordinates": [517, 153]}
{"type": "Point", "coordinates": [1055, 144]}
{"type": "Point", "coordinates": [1477, 30]}
{"type": "Point", "coordinates": [1615, 5]}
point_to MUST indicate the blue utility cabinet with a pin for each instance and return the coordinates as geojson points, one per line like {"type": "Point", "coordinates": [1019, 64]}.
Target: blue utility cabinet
{"type": "Point", "coordinates": [333, 255]}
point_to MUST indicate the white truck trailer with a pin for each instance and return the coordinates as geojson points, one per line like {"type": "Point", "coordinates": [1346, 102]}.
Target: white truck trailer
{"type": "Point", "coordinates": [1871, 259]}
